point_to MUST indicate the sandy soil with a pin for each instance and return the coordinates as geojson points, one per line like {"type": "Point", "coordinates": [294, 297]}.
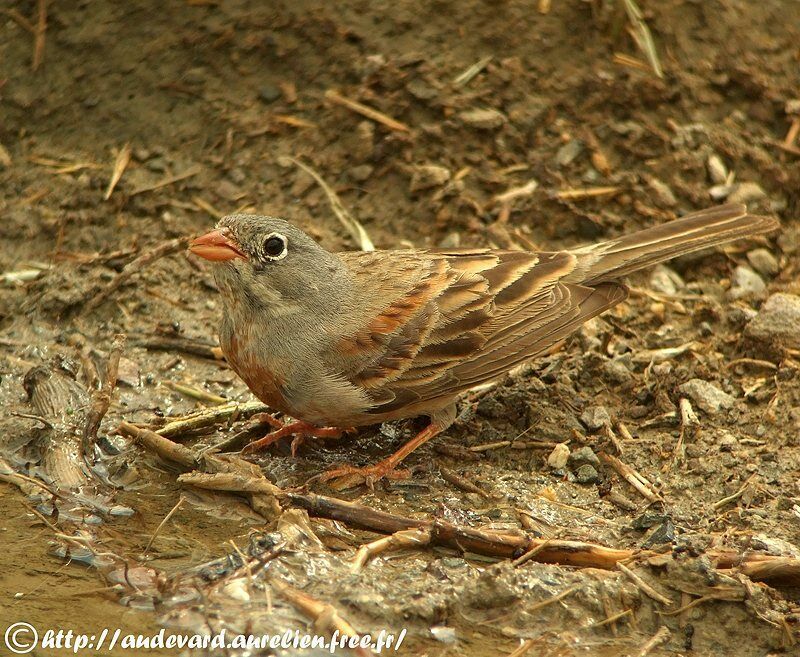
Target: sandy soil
{"type": "Point", "coordinates": [211, 97]}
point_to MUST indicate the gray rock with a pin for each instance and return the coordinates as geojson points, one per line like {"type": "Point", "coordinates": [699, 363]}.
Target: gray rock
{"type": "Point", "coordinates": [665, 280]}
{"type": "Point", "coordinates": [778, 321]}
{"type": "Point", "coordinates": [617, 371]}
{"type": "Point", "coordinates": [361, 172]}
{"type": "Point", "coordinates": [595, 418]}
{"type": "Point", "coordinates": [586, 474]}
{"type": "Point", "coordinates": [483, 119]}
{"type": "Point", "coordinates": [426, 176]}
{"type": "Point", "coordinates": [584, 455]}
{"type": "Point", "coordinates": [707, 396]}
{"type": "Point", "coordinates": [663, 192]}
{"type": "Point", "coordinates": [568, 152]}
{"type": "Point", "coordinates": [763, 262]}
{"type": "Point", "coordinates": [269, 93]}
{"type": "Point", "coordinates": [746, 192]}
{"type": "Point", "coordinates": [746, 284]}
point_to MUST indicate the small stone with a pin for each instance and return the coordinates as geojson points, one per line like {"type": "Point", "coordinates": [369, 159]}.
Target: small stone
{"type": "Point", "coordinates": [361, 172]}
{"type": "Point", "coordinates": [421, 90]}
{"type": "Point", "coordinates": [727, 442]}
{"type": "Point", "coordinates": [707, 396]}
{"type": "Point", "coordinates": [483, 119]}
{"type": "Point", "coordinates": [663, 192]}
{"type": "Point", "coordinates": [269, 93]}
{"type": "Point", "coordinates": [721, 192]}
{"type": "Point", "coordinates": [745, 284]}
{"type": "Point", "coordinates": [426, 176]}
{"type": "Point", "coordinates": [450, 241]}
{"type": "Point", "coordinates": [617, 372]}
{"type": "Point", "coordinates": [665, 280]}
{"type": "Point", "coordinates": [716, 169]}
{"type": "Point", "coordinates": [595, 418]}
{"type": "Point", "coordinates": [746, 192]}
{"type": "Point", "coordinates": [586, 474]}
{"type": "Point", "coordinates": [763, 262]}
{"type": "Point", "coordinates": [584, 455]}
{"type": "Point", "coordinates": [558, 457]}
{"type": "Point", "coordinates": [446, 635]}
{"type": "Point", "coordinates": [778, 321]}
{"type": "Point", "coordinates": [568, 152]}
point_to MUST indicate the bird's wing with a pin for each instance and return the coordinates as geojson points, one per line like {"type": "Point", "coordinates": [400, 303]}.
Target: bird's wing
{"type": "Point", "coordinates": [465, 317]}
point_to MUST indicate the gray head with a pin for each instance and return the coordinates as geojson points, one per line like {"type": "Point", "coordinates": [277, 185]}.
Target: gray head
{"type": "Point", "coordinates": [269, 264]}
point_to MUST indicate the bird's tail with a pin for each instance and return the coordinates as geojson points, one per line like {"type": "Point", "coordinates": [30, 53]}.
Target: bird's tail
{"type": "Point", "coordinates": [610, 260]}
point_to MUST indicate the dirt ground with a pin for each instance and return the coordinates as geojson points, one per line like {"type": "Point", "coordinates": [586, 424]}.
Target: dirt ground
{"type": "Point", "coordinates": [210, 98]}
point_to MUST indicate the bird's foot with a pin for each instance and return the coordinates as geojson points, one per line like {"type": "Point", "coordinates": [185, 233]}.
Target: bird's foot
{"type": "Point", "coordinates": [350, 476]}
{"type": "Point", "coordinates": [299, 429]}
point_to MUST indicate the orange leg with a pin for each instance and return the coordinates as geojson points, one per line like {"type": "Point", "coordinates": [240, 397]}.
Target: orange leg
{"type": "Point", "coordinates": [300, 430]}
{"type": "Point", "coordinates": [349, 476]}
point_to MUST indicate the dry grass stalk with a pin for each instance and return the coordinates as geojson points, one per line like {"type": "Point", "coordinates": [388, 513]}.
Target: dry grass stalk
{"type": "Point", "coordinates": [120, 164]}
{"type": "Point", "coordinates": [405, 538]}
{"type": "Point", "coordinates": [195, 393]}
{"type": "Point", "coordinates": [634, 478]}
{"type": "Point", "coordinates": [41, 29]}
{"type": "Point", "coordinates": [351, 224]}
{"type": "Point", "coordinates": [462, 483]}
{"type": "Point", "coordinates": [662, 636]}
{"type": "Point", "coordinates": [648, 590]}
{"type": "Point", "coordinates": [169, 180]}
{"type": "Point", "coordinates": [366, 111]}
{"type": "Point", "coordinates": [469, 73]}
{"type": "Point", "coordinates": [642, 36]}
{"type": "Point", "coordinates": [588, 192]}
{"type": "Point", "coordinates": [101, 399]}
{"type": "Point", "coordinates": [135, 266]}
{"type": "Point", "coordinates": [324, 616]}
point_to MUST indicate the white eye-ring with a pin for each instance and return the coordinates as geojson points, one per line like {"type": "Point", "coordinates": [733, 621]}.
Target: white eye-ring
{"type": "Point", "coordinates": [275, 246]}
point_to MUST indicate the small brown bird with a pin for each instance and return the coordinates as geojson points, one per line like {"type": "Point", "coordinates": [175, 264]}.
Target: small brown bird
{"type": "Point", "coordinates": [357, 338]}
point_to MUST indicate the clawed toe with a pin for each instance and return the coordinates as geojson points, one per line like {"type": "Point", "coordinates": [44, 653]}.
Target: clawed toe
{"type": "Point", "coordinates": [300, 431]}
{"type": "Point", "coordinates": [350, 477]}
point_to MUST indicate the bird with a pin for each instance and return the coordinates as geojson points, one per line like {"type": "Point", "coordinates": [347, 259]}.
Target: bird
{"type": "Point", "coordinates": [350, 339]}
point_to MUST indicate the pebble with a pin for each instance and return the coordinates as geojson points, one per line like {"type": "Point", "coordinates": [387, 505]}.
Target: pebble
{"type": "Point", "coordinates": [586, 474]}
{"type": "Point", "coordinates": [665, 280]}
{"type": "Point", "coordinates": [595, 418]}
{"type": "Point", "coordinates": [269, 93]}
{"type": "Point", "coordinates": [568, 152]}
{"type": "Point", "coordinates": [558, 457]}
{"type": "Point", "coordinates": [443, 634]}
{"type": "Point", "coordinates": [450, 241]}
{"type": "Point", "coordinates": [584, 455]}
{"type": "Point", "coordinates": [663, 192]}
{"type": "Point", "coordinates": [426, 176]}
{"type": "Point", "coordinates": [483, 119]}
{"type": "Point", "coordinates": [745, 283]}
{"type": "Point", "coordinates": [616, 371]}
{"type": "Point", "coordinates": [745, 192]}
{"type": "Point", "coordinates": [778, 321]}
{"type": "Point", "coordinates": [716, 169]}
{"type": "Point", "coordinates": [707, 396]}
{"type": "Point", "coordinates": [361, 172]}
{"type": "Point", "coordinates": [763, 262]}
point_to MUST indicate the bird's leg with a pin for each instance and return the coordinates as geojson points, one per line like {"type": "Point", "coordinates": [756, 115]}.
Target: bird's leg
{"type": "Point", "coordinates": [349, 476]}
{"type": "Point", "coordinates": [299, 429]}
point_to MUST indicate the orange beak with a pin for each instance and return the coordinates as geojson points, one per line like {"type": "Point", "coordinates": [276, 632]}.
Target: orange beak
{"type": "Point", "coordinates": [215, 246]}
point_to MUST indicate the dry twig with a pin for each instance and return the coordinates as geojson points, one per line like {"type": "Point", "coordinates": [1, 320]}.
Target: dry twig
{"type": "Point", "coordinates": [351, 224]}
{"type": "Point", "coordinates": [134, 267]}
{"type": "Point", "coordinates": [364, 110]}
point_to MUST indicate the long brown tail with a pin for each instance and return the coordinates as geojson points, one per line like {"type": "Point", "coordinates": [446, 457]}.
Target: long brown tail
{"type": "Point", "coordinates": [610, 260]}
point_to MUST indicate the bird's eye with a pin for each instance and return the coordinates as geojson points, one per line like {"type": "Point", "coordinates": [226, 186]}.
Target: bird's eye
{"type": "Point", "coordinates": [275, 246]}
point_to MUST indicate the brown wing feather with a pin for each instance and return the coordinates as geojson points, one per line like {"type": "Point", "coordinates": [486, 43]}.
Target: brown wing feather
{"type": "Point", "coordinates": [475, 314]}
